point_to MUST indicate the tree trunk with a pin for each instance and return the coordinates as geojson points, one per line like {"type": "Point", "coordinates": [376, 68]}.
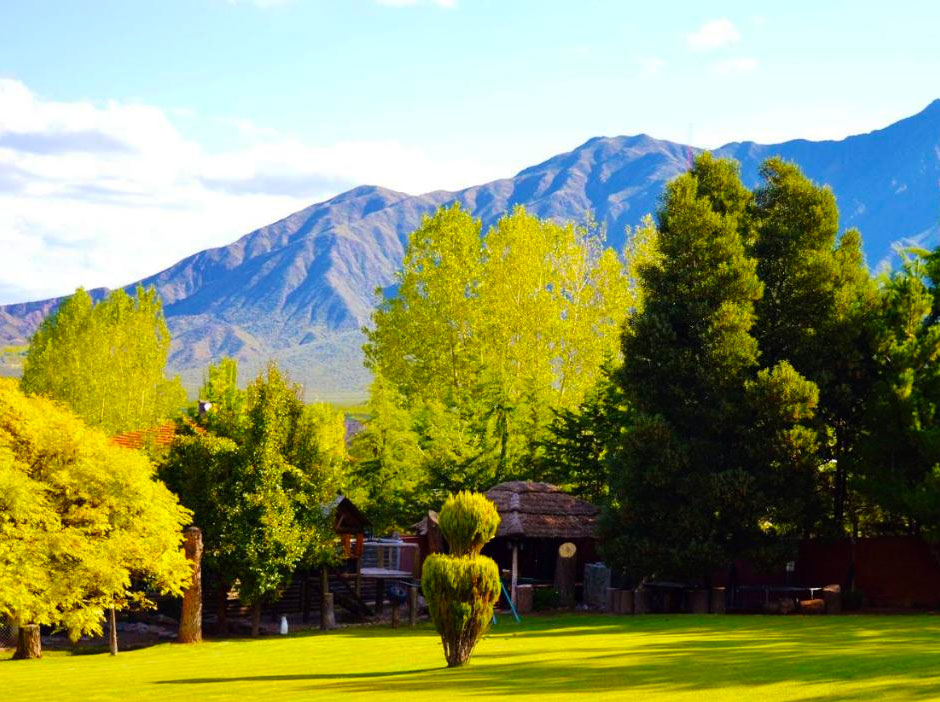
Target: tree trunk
{"type": "Point", "coordinates": [515, 573]}
{"type": "Point", "coordinates": [838, 507]}
{"type": "Point", "coordinates": [191, 618]}
{"type": "Point", "coordinates": [565, 575]}
{"type": "Point", "coordinates": [221, 610]}
{"type": "Point", "coordinates": [256, 619]}
{"type": "Point", "coordinates": [327, 615]}
{"type": "Point", "coordinates": [28, 643]}
{"type": "Point", "coordinates": [413, 605]}
{"type": "Point", "coordinates": [112, 633]}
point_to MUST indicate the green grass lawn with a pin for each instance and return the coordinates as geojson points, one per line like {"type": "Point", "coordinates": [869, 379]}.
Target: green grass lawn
{"type": "Point", "coordinates": [646, 658]}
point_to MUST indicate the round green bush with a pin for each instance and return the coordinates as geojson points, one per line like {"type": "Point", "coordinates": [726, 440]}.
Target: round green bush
{"type": "Point", "coordinates": [468, 521]}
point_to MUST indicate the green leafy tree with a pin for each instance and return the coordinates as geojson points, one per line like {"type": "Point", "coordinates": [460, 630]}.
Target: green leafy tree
{"type": "Point", "coordinates": [83, 523]}
{"type": "Point", "coordinates": [688, 483]}
{"type": "Point", "coordinates": [106, 361]}
{"type": "Point", "coordinates": [256, 470]}
{"type": "Point", "coordinates": [461, 587]}
{"type": "Point", "coordinates": [387, 462]}
{"type": "Point", "coordinates": [485, 338]}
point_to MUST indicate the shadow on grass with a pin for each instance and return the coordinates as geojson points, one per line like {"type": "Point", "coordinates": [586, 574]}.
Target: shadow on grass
{"type": "Point", "coordinates": [856, 658]}
{"type": "Point", "coordinates": [298, 676]}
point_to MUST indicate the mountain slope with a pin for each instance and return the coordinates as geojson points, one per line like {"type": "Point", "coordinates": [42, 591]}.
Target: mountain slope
{"type": "Point", "coordinates": [299, 290]}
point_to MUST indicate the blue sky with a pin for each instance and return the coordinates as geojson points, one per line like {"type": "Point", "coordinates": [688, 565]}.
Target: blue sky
{"type": "Point", "coordinates": [135, 133]}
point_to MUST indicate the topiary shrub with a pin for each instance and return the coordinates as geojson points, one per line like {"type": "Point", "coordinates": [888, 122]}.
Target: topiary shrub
{"type": "Point", "coordinates": [461, 592]}
{"type": "Point", "coordinates": [468, 521]}
{"type": "Point", "coordinates": [462, 587]}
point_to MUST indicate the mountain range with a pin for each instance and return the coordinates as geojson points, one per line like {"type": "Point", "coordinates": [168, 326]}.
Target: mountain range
{"type": "Point", "coordinates": [300, 290]}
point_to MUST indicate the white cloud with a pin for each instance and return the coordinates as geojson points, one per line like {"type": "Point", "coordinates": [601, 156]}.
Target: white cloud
{"type": "Point", "coordinates": [734, 66]}
{"type": "Point", "coordinates": [103, 194]}
{"type": "Point", "coordinates": [713, 35]}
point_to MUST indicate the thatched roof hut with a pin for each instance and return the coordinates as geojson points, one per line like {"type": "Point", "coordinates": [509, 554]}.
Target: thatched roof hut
{"type": "Point", "coordinates": [541, 511]}
{"type": "Point", "coordinates": [535, 520]}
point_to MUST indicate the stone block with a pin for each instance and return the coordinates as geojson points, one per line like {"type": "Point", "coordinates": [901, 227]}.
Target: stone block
{"type": "Point", "coordinates": [641, 601]}
{"type": "Point", "coordinates": [814, 606]}
{"type": "Point", "coordinates": [718, 600]}
{"type": "Point", "coordinates": [524, 599]}
{"type": "Point", "coordinates": [832, 595]}
{"type": "Point", "coordinates": [698, 601]}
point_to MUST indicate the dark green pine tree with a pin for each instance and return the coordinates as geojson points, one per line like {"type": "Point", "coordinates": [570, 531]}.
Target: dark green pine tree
{"type": "Point", "coordinates": [897, 466]}
{"type": "Point", "coordinates": [707, 435]}
{"type": "Point", "coordinates": [574, 455]}
{"type": "Point", "coordinates": [817, 312]}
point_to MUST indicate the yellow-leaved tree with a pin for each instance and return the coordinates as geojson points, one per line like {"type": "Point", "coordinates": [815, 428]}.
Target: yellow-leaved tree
{"type": "Point", "coordinates": [84, 524]}
{"type": "Point", "coordinates": [486, 337]}
{"type": "Point", "coordinates": [106, 361]}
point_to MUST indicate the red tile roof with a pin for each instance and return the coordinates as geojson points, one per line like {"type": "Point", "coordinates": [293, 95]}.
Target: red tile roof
{"type": "Point", "coordinates": [161, 437]}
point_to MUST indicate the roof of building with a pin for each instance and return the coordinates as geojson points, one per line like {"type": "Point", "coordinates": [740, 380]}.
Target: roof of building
{"type": "Point", "coordinates": [160, 437]}
{"type": "Point", "coordinates": [540, 510]}
{"type": "Point", "coordinates": [347, 518]}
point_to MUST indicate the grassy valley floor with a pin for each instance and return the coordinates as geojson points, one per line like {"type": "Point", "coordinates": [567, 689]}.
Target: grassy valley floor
{"type": "Point", "coordinates": [650, 658]}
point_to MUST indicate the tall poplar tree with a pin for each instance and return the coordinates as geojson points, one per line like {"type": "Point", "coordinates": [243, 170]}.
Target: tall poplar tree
{"type": "Point", "coordinates": [106, 361]}
{"type": "Point", "coordinates": [485, 337]}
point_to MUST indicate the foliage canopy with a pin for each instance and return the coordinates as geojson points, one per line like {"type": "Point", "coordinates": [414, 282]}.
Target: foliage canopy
{"type": "Point", "coordinates": [484, 338]}
{"type": "Point", "coordinates": [257, 470]}
{"type": "Point", "coordinates": [106, 361]}
{"type": "Point", "coordinates": [83, 523]}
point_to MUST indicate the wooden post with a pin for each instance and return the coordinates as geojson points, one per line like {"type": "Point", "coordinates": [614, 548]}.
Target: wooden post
{"type": "Point", "coordinates": [305, 598]}
{"type": "Point", "coordinates": [256, 619]}
{"type": "Point", "coordinates": [360, 538]}
{"type": "Point", "coordinates": [379, 596]}
{"type": "Point", "coordinates": [222, 609]}
{"type": "Point", "coordinates": [190, 630]}
{"type": "Point", "coordinates": [112, 634]}
{"type": "Point", "coordinates": [625, 602]}
{"type": "Point", "coordinates": [641, 600]}
{"type": "Point", "coordinates": [832, 594]}
{"type": "Point", "coordinates": [327, 615]}
{"type": "Point", "coordinates": [515, 571]}
{"type": "Point", "coordinates": [565, 574]}
{"type": "Point", "coordinates": [698, 601]}
{"type": "Point", "coordinates": [395, 608]}
{"type": "Point", "coordinates": [28, 643]}
{"type": "Point", "coordinates": [412, 605]}
{"type": "Point", "coordinates": [524, 599]}
{"type": "Point", "coordinates": [718, 600]}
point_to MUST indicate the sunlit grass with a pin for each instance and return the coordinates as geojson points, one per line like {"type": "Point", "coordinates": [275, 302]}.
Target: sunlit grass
{"type": "Point", "coordinates": [639, 658]}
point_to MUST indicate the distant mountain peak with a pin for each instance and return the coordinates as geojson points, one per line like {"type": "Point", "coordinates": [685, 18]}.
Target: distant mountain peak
{"type": "Point", "coordinates": [300, 289]}
{"type": "Point", "coordinates": [368, 191]}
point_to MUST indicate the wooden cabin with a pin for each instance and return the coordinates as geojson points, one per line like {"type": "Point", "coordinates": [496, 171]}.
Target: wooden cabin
{"type": "Point", "coordinates": [536, 519]}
